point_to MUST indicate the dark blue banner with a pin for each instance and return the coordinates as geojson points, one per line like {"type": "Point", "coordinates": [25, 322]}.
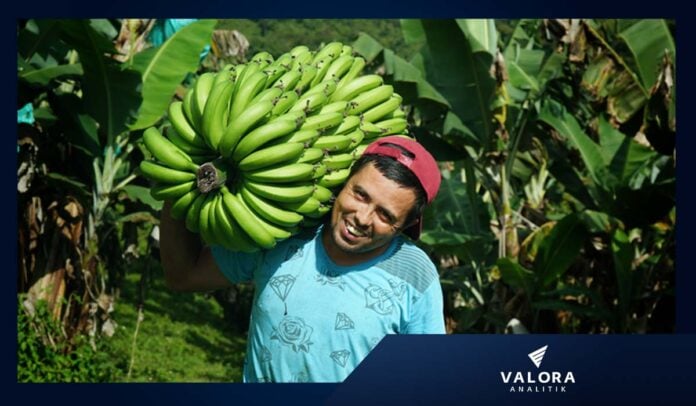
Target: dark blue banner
{"type": "Point", "coordinates": [526, 369]}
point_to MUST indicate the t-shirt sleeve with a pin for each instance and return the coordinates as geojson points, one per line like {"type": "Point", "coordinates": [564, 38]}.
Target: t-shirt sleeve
{"type": "Point", "coordinates": [236, 266]}
{"type": "Point", "coordinates": [427, 316]}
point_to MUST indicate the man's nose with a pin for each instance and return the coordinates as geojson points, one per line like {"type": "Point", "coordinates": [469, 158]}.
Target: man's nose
{"type": "Point", "coordinates": [363, 217]}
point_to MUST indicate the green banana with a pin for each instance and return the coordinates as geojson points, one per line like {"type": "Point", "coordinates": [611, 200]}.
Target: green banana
{"type": "Point", "coordinates": [319, 170]}
{"type": "Point", "coordinates": [269, 211]}
{"type": "Point", "coordinates": [250, 117]}
{"type": "Point", "coordinates": [339, 67]}
{"type": "Point", "coordinates": [305, 206]}
{"type": "Point", "coordinates": [393, 125]}
{"type": "Point", "coordinates": [348, 124]}
{"type": "Point", "coordinates": [346, 50]}
{"type": "Point", "coordinates": [201, 91]}
{"type": "Point", "coordinates": [282, 174]}
{"type": "Point", "coordinates": [201, 159]}
{"type": "Point", "coordinates": [285, 192]}
{"type": "Point", "coordinates": [353, 72]}
{"type": "Point", "coordinates": [311, 155]}
{"type": "Point", "coordinates": [309, 102]}
{"type": "Point", "coordinates": [319, 212]}
{"type": "Point", "coordinates": [248, 89]}
{"type": "Point", "coordinates": [267, 94]}
{"type": "Point", "coordinates": [323, 66]}
{"type": "Point", "coordinates": [261, 135]}
{"type": "Point", "coordinates": [182, 125]}
{"type": "Point", "coordinates": [276, 232]}
{"type": "Point", "coordinates": [334, 178]}
{"type": "Point", "coordinates": [183, 145]}
{"type": "Point", "coordinates": [274, 72]}
{"type": "Point", "coordinates": [214, 115]}
{"type": "Point", "coordinates": [322, 194]}
{"type": "Point", "coordinates": [356, 87]}
{"type": "Point", "coordinates": [357, 137]}
{"type": "Point", "coordinates": [284, 103]}
{"type": "Point", "coordinates": [204, 226]}
{"type": "Point", "coordinates": [321, 122]}
{"type": "Point", "coordinates": [284, 60]}
{"type": "Point", "coordinates": [382, 109]}
{"type": "Point", "coordinates": [247, 220]}
{"type": "Point", "coordinates": [370, 129]}
{"type": "Point", "coordinates": [187, 107]}
{"type": "Point", "coordinates": [181, 205]}
{"type": "Point", "coordinates": [193, 214]}
{"type": "Point", "coordinates": [338, 161]}
{"type": "Point", "coordinates": [166, 152]}
{"type": "Point", "coordinates": [288, 80]}
{"type": "Point", "coordinates": [305, 137]}
{"type": "Point", "coordinates": [298, 50]}
{"type": "Point", "coordinates": [172, 192]}
{"type": "Point", "coordinates": [327, 87]}
{"type": "Point", "coordinates": [264, 58]}
{"type": "Point", "coordinates": [330, 51]}
{"type": "Point", "coordinates": [272, 155]}
{"type": "Point", "coordinates": [223, 75]}
{"type": "Point", "coordinates": [369, 99]}
{"type": "Point", "coordinates": [332, 143]}
{"type": "Point", "coordinates": [163, 174]}
{"type": "Point", "coordinates": [230, 234]}
{"type": "Point", "coordinates": [337, 106]}
{"type": "Point", "coordinates": [308, 72]}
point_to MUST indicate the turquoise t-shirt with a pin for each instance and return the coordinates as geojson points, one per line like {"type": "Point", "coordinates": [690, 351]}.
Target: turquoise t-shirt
{"type": "Point", "coordinates": [315, 321]}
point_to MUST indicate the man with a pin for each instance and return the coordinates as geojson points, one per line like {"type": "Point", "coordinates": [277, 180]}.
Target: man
{"type": "Point", "coordinates": [325, 298]}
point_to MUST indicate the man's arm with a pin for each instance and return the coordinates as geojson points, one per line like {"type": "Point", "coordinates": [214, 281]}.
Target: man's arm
{"type": "Point", "coordinates": [188, 265]}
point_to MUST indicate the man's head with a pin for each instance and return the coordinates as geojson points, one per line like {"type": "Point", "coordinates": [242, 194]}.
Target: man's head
{"type": "Point", "coordinates": [386, 193]}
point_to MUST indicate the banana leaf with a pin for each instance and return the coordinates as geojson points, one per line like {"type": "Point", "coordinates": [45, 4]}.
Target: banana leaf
{"type": "Point", "coordinates": [109, 93]}
{"type": "Point", "coordinates": [36, 43]}
{"type": "Point", "coordinates": [459, 73]}
{"type": "Point", "coordinates": [559, 250]}
{"type": "Point", "coordinates": [142, 194]}
{"type": "Point", "coordinates": [516, 275]}
{"type": "Point", "coordinates": [622, 254]}
{"type": "Point", "coordinates": [567, 126]}
{"type": "Point", "coordinates": [165, 67]}
{"type": "Point", "coordinates": [44, 76]}
{"type": "Point", "coordinates": [649, 40]}
{"type": "Point", "coordinates": [625, 156]}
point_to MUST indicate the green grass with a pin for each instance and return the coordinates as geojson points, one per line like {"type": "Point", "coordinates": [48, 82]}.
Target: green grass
{"type": "Point", "coordinates": [182, 337]}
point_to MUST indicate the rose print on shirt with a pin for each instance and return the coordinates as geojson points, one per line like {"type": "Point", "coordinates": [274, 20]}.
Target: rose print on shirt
{"type": "Point", "coordinates": [294, 332]}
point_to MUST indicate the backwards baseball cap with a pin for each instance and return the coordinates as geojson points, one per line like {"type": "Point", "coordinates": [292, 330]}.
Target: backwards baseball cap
{"type": "Point", "coordinates": [422, 164]}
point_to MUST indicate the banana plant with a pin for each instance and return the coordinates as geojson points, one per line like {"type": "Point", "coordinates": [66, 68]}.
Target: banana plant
{"type": "Point", "coordinates": [531, 116]}
{"type": "Point", "coordinates": [90, 104]}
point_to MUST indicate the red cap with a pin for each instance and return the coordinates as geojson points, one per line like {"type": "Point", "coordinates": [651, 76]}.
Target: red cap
{"type": "Point", "coordinates": [423, 165]}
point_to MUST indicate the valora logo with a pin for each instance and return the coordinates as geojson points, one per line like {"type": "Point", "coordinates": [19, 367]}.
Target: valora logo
{"type": "Point", "coordinates": [538, 355]}
{"type": "Point", "coordinates": [542, 381]}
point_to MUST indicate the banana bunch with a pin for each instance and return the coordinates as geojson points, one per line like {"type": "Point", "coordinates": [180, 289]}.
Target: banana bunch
{"type": "Point", "coordinates": [257, 151]}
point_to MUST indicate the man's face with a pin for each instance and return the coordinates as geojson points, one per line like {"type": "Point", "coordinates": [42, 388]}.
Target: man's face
{"type": "Point", "coordinates": [367, 215]}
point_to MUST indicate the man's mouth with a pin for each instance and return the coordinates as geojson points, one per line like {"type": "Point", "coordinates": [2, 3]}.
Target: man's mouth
{"type": "Point", "coordinates": [353, 231]}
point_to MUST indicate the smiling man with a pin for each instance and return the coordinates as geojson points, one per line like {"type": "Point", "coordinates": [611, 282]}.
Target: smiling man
{"type": "Point", "coordinates": [325, 298]}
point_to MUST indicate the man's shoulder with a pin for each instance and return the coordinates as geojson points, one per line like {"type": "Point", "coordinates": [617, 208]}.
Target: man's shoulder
{"type": "Point", "coordinates": [411, 264]}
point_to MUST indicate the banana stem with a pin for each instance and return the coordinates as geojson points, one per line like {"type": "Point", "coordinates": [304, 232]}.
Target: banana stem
{"type": "Point", "coordinates": [211, 175]}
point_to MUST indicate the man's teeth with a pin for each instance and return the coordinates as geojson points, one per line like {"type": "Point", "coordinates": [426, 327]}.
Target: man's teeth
{"type": "Point", "coordinates": [353, 230]}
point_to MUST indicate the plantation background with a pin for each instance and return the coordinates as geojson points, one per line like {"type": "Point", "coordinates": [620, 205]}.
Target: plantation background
{"type": "Point", "coordinates": [556, 140]}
